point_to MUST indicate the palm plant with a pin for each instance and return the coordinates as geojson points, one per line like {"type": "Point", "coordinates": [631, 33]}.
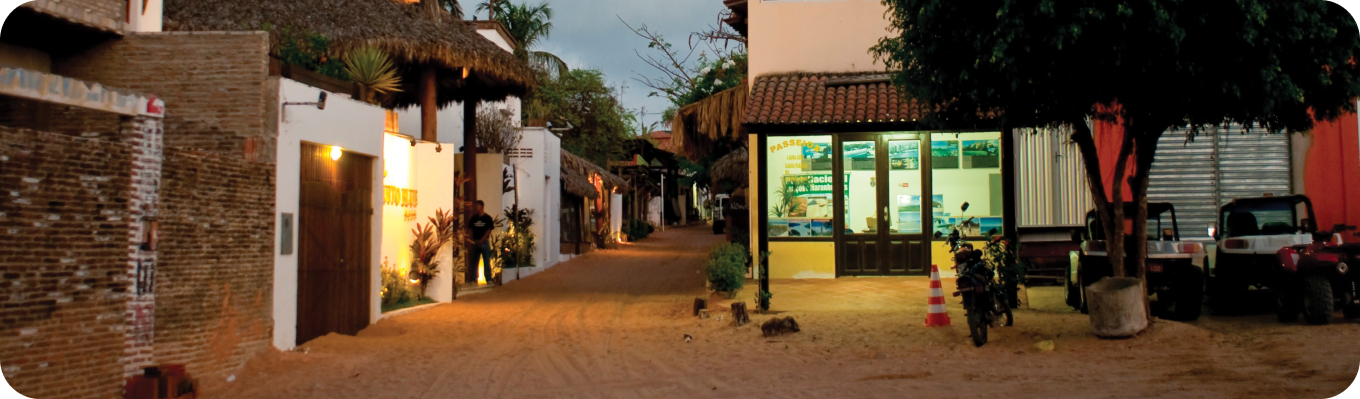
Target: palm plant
{"type": "Point", "coordinates": [371, 69]}
{"type": "Point", "coordinates": [527, 25]}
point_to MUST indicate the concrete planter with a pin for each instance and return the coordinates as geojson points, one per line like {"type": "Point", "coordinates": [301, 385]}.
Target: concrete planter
{"type": "Point", "coordinates": [1116, 307]}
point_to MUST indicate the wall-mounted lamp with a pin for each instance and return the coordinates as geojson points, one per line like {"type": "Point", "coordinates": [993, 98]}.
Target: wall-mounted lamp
{"type": "Point", "coordinates": [438, 147]}
{"type": "Point", "coordinates": [413, 141]}
{"type": "Point", "coordinates": [320, 102]}
{"type": "Point", "coordinates": [336, 152]}
{"type": "Point", "coordinates": [465, 73]}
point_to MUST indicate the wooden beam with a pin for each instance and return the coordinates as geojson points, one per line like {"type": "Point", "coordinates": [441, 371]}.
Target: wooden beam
{"type": "Point", "coordinates": [470, 170]}
{"type": "Point", "coordinates": [429, 104]}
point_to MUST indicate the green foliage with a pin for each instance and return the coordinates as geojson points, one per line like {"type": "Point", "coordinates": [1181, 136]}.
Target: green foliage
{"type": "Point", "coordinates": [727, 267]}
{"type": "Point", "coordinates": [1044, 62]}
{"type": "Point", "coordinates": [1003, 256]}
{"type": "Point", "coordinates": [699, 171]}
{"type": "Point", "coordinates": [516, 247]}
{"type": "Point", "coordinates": [710, 77]}
{"type": "Point", "coordinates": [528, 25]}
{"type": "Point", "coordinates": [310, 50]}
{"type": "Point", "coordinates": [581, 98]}
{"type": "Point", "coordinates": [637, 229]}
{"type": "Point", "coordinates": [370, 68]}
{"type": "Point", "coordinates": [395, 286]}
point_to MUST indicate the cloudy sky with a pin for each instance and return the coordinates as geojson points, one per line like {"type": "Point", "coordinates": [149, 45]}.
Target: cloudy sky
{"type": "Point", "coordinates": [588, 34]}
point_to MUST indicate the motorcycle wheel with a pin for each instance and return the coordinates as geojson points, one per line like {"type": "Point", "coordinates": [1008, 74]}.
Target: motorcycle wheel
{"type": "Point", "coordinates": [1317, 300]}
{"type": "Point", "coordinates": [978, 329]}
{"type": "Point", "coordinates": [1287, 306]}
{"type": "Point", "coordinates": [1005, 311]}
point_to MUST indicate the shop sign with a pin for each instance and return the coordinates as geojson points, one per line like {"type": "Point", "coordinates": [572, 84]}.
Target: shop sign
{"type": "Point", "coordinates": [402, 197]}
{"type": "Point", "coordinates": [812, 184]}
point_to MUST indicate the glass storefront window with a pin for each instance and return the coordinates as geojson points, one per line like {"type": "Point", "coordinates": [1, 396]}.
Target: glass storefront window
{"type": "Point", "coordinates": [799, 186]}
{"type": "Point", "coordinates": [966, 169]}
{"type": "Point", "coordinates": [904, 185]}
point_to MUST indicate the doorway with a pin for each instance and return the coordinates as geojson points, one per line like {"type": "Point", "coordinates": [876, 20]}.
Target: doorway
{"type": "Point", "coordinates": [334, 242]}
{"type": "Point", "coordinates": [879, 194]}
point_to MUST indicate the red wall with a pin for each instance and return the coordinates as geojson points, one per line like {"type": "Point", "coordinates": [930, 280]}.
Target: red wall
{"type": "Point", "coordinates": [1331, 174]}
{"type": "Point", "coordinates": [1108, 135]}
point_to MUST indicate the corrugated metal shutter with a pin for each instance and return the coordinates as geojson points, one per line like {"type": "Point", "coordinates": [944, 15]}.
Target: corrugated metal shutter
{"type": "Point", "coordinates": [1050, 179]}
{"type": "Point", "coordinates": [1219, 165]}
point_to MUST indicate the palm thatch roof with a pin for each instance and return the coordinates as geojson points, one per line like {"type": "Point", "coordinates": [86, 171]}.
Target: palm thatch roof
{"type": "Point", "coordinates": [732, 167]}
{"type": "Point", "coordinates": [577, 184]}
{"type": "Point", "coordinates": [697, 126]}
{"type": "Point", "coordinates": [405, 31]}
{"type": "Point", "coordinates": [581, 167]}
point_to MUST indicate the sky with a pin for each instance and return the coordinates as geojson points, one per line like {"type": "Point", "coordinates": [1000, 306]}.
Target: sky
{"type": "Point", "coordinates": [587, 34]}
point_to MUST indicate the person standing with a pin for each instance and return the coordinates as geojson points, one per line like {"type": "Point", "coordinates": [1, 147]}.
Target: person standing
{"type": "Point", "coordinates": [482, 224]}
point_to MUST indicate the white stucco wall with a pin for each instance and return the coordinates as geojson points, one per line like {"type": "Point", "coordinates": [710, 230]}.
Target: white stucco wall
{"type": "Point", "coordinates": [615, 213]}
{"type": "Point", "coordinates": [355, 126]}
{"type": "Point", "coordinates": [539, 190]}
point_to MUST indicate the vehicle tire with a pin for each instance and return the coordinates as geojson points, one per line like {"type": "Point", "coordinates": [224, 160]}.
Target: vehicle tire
{"type": "Point", "coordinates": [977, 328]}
{"type": "Point", "coordinates": [1189, 295]}
{"type": "Point", "coordinates": [1288, 305]}
{"type": "Point", "coordinates": [1005, 311]}
{"type": "Point", "coordinates": [1071, 295]}
{"type": "Point", "coordinates": [1228, 295]}
{"type": "Point", "coordinates": [1317, 300]}
{"type": "Point", "coordinates": [1348, 307]}
{"type": "Point", "coordinates": [1081, 282]}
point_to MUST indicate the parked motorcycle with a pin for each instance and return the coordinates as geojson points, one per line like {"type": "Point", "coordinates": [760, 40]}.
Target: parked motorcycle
{"type": "Point", "coordinates": [983, 300]}
{"type": "Point", "coordinates": [1318, 278]}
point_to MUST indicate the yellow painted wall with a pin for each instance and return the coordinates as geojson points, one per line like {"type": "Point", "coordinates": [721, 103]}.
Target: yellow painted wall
{"type": "Point", "coordinates": [802, 260]}
{"type": "Point", "coordinates": [940, 256]}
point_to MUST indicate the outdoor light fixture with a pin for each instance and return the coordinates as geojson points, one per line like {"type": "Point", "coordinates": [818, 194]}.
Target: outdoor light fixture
{"type": "Point", "coordinates": [320, 103]}
{"type": "Point", "coordinates": [465, 73]}
{"type": "Point", "coordinates": [336, 152]}
{"type": "Point", "coordinates": [438, 147]}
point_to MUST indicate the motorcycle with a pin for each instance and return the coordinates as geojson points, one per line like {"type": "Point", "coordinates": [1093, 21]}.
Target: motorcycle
{"type": "Point", "coordinates": [984, 298]}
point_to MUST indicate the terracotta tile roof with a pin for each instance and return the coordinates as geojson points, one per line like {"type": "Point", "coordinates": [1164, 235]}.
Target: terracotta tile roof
{"type": "Point", "coordinates": [828, 98]}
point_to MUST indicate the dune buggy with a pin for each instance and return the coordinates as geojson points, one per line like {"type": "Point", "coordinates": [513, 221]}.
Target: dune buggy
{"type": "Point", "coordinates": [1172, 278]}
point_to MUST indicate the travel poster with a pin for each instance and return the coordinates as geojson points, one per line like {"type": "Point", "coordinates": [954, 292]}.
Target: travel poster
{"type": "Point", "coordinates": [944, 154]}
{"type": "Point", "coordinates": [989, 223]}
{"type": "Point", "coordinates": [859, 155]}
{"type": "Point", "coordinates": [981, 154]}
{"type": "Point", "coordinates": [778, 227]}
{"type": "Point", "coordinates": [904, 154]}
{"type": "Point", "coordinates": [909, 222]}
{"type": "Point", "coordinates": [817, 156]}
{"type": "Point", "coordinates": [819, 207]}
{"type": "Point", "coordinates": [798, 207]}
{"type": "Point", "coordinates": [909, 203]}
{"type": "Point", "coordinates": [821, 228]}
{"type": "Point", "coordinates": [800, 228]}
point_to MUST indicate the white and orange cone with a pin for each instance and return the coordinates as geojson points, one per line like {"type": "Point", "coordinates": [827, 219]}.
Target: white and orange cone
{"type": "Point", "coordinates": [936, 315]}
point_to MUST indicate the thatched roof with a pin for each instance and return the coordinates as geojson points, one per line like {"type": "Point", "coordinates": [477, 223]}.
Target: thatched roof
{"type": "Point", "coordinates": [577, 184]}
{"type": "Point", "coordinates": [697, 126]}
{"type": "Point", "coordinates": [408, 34]}
{"type": "Point", "coordinates": [732, 167]}
{"type": "Point", "coordinates": [581, 167]}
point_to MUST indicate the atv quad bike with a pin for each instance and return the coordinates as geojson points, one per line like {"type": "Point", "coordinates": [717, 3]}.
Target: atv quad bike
{"type": "Point", "coordinates": [1171, 276]}
{"type": "Point", "coordinates": [1317, 278]}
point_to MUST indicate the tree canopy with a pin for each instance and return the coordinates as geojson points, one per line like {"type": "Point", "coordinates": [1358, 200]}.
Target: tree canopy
{"type": "Point", "coordinates": [1148, 65]}
{"type": "Point", "coordinates": [599, 126]}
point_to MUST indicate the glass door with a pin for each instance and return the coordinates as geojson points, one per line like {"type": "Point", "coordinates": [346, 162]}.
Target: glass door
{"type": "Point", "coordinates": [905, 240]}
{"type": "Point", "coordinates": [880, 200]}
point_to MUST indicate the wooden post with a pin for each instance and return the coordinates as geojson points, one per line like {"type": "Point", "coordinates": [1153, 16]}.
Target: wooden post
{"type": "Point", "coordinates": [429, 104]}
{"type": "Point", "coordinates": [470, 170]}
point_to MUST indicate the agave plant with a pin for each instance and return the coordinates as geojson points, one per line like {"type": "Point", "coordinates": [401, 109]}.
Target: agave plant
{"type": "Point", "coordinates": [370, 68]}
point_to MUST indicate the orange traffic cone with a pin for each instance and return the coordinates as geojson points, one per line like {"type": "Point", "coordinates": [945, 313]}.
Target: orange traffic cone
{"type": "Point", "coordinates": [936, 316]}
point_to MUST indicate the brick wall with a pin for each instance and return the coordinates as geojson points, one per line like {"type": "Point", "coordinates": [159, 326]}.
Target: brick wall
{"type": "Point", "coordinates": [64, 225]}
{"type": "Point", "coordinates": [104, 14]}
{"type": "Point", "coordinates": [214, 281]}
{"type": "Point", "coordinates": [215, 83]}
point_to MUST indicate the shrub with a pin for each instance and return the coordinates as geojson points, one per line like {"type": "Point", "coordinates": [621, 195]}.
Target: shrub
{"type": "Point", "coordinates": [637, 229]}
{"type": "Point", "coordinates": [395, 287]}
{"type": "Point", "coordinates": [727, 267]}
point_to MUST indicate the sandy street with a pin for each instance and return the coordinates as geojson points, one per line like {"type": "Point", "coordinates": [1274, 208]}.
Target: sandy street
{"type": "Point", "coordinates": [611, 324]}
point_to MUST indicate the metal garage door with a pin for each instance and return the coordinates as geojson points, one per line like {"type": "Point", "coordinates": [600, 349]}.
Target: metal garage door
{"type": "Point", "coordinates": [1219, 165]}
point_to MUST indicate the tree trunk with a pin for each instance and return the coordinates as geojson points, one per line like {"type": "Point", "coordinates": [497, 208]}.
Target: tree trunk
{"type": "Point", "coordinates": [429, 104]}
{"type": "Point", "coordinates": [1146, 150]}
{"type": "Point", "coordinates": [470, 172]}
{"type": "Point", "coordinates": [1111, 214]}
{"type": "Point", "coordinates": [1115, 241]}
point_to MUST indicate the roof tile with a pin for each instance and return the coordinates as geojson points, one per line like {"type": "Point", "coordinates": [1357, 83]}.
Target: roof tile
{"type": "Point", "coordinates": [806, 98]}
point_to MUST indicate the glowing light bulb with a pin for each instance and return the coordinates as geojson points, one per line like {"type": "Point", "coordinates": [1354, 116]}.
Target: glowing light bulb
{"type": "Point", "coordinates": [336, 151]}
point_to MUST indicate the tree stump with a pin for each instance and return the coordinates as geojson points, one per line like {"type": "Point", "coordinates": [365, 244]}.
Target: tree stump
{"type": "Point", "coordinates": [739, 314]}
{"type": "Point", "coordinates": [700, 303]}
{"type": "Point", "coordinates": [1116, 307]}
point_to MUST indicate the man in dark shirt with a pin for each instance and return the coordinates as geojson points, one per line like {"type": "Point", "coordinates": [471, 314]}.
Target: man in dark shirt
{"type": "Point", "coordinates": [482, 224]}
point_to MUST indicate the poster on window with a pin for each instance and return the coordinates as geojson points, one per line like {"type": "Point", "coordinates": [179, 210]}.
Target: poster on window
{"type": "Point", "coordinates": [904, 155]}
{"type": "Point", "coordinates": [944, 154]}
{"type": "Point", "coordinates": [816, 156]}
{"type": "Point", "coordinates": [990, 225]}
{"type": "Point", "coordinates": [859, 155]}
{"type": "Point", "coordinates": [981, 154]}
{"type": "Point", "coordinates": [821, 227]}
{"type": "Point", "coordinates": [778, 227]}
{"type": "Point", "coordinates": [800, 228]}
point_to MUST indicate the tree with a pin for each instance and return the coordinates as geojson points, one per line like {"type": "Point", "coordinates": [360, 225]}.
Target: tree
{"type": "Point", "coordinates": [580, 99]}
{"type": "Point", "coordinates": [527, 25]}
{"type": "Point", "coordinates": [1148, 66]}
